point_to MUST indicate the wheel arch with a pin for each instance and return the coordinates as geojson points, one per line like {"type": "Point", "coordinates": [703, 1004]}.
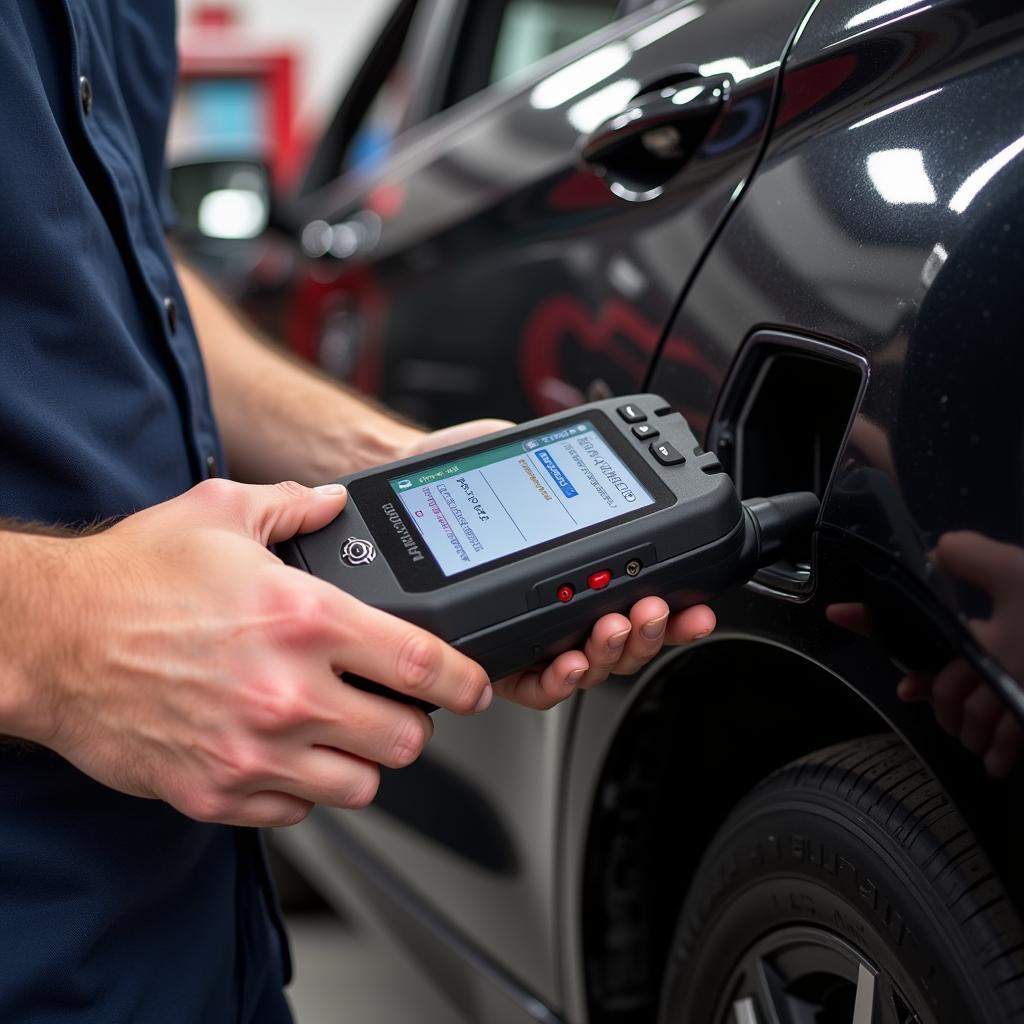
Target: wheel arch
{"type": "Point", "coordinates": [639, 859]}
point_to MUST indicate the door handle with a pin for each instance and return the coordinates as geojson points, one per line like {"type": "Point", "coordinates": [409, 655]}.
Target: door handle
{"type": "Point", "coordinates": [639, 149]}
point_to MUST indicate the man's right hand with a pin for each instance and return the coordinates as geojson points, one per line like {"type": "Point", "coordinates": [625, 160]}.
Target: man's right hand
{"type": "Point", "coordinates": [179, 659]}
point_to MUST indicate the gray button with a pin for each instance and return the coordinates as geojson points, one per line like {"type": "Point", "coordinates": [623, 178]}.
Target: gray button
{"type": "Point", "coordinates": [631, 414]}
{"type": "Point", "coordinates": [645, 432]}
{"type": "Point", "coordinates": [85, 93]}
{"type": "Point", "coordinates": [171, 309]}
{"type": "Point", "coordinates": [666, 454]}
{"type": "Point", "coordinates": [211, 466]}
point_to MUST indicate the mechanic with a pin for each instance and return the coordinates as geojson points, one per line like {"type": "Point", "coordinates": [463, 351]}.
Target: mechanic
{"type": "Point", "coordinates": [165, 680]}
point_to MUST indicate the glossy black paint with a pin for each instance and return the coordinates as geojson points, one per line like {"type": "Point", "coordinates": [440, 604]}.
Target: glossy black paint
{"type": "Point", "coordinates": [494, 196]}
{"type": "Point", "coordinates": [906, 248]}
{"type": "Point", "coordinates": [885, 217]}
{"type": "Point", "coordinates": [535, 284]}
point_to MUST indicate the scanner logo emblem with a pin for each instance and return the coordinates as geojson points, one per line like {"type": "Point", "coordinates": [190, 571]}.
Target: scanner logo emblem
{"type": "Point", "coordinates": [356, 551]}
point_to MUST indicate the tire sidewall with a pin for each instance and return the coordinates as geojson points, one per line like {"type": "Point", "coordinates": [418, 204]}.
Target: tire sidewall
{"type": "Point", "coordinates": [799, 859]}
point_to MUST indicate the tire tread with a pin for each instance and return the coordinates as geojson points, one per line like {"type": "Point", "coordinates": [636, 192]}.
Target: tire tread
{"type": "Point", "coordinates": [880, 778]}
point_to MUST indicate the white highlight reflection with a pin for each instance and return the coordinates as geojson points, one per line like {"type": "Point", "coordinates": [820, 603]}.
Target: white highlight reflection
{"type": "Point", "coordinates": [880, 11]}
{"type": "Point", "coordinates": [900, 177]}
{"type": "Point", "coordinates": [663, 26]}
{"type": "Point", "coordinates": [232, 213]}
{"type": "Point", "coordinates": [684, 95]}
{"type": "Point", "coordinates": [936, 258]}
{"type": "Point", "coordinates": [968, 191]}
{"type": "Point", "coordinates": [586, 114]}
{"type": "Point", "coordinates": [579, 76]}
{"type": "Point", "coordinates": [893, 109]}
{"type": "Point", "coordinates": [736, 67]}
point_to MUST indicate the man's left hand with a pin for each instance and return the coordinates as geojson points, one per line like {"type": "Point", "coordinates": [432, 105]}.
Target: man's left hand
{"type": "Point", "coordinates": [617, 645]}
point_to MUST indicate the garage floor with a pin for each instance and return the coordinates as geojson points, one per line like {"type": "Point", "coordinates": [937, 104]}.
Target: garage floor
{"type": "Point", "coordinates": [345, 973]}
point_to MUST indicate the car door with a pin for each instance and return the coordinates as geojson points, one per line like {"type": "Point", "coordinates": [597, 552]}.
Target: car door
{"type": "Point", "coordinates": [476, 266]}
{"type": "Point", "coordinates": [478, 260]}
{"type": "Point", "coordinates": [874, 239]}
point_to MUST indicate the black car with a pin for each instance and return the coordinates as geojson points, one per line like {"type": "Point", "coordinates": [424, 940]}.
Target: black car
{"type": "Point", "coordinates": [803, 224]}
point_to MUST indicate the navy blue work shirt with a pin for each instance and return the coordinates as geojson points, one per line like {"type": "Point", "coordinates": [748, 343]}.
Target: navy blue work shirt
{"type": "Point", "coordinates": [112, 909]}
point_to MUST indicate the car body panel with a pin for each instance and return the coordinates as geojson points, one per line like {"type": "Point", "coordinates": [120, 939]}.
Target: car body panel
{"type": "Point", "coordinates": [500, 177]}
{"type": "Point", "coordinates": [870, 227]}
{"type": "Point", "coordinates": [534, 282]}
{"type": "Point", "coordinates": [493, 834]}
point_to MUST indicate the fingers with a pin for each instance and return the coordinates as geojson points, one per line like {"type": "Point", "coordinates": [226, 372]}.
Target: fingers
{"type": "Point", "coordinates": [915, 686]}
{"type": "Point", "coordinates": [849, 615]}
{"type": "Point", "coordinates": [266, 513]}
{"type": "Point", "coordinates": [268, 810]}
{"type": "Point", "coordinates": [952, 686]}
{"type": "Point", "coordinates": [616, 645]}
{"type": "Point", "coordinates": [372, 727]}
{"type": "Point", "coordinates": [648, 621]}
{"type": "Point", "coordinates": [280, 511]}
{"type": "Point", "coordinates": [690, 625]}
{"type": "Point", "coordinates": [313, 741]}
{"type": "Point", "coordinates": [1007, 744]}
{"type": "Point", "coordinates": [969, 709]}
{"type": "Point", "coordinates": [981, 715]}
{"type": "Point", "coordinates": [317, 619]}
{"type": "Point", "coordinates": [336, 778]}
{"type": "Point", "coordinates": [317, 775]}
{"type": "Point", "coordinates": [404, 657]}
{"type": "Point", "coordinates": [604, 647]}
{"type": "Point", "coordinates": [544, 688]}
{"type": "Point", "coordinates": [984, 563]}
{"type": "Point", "coordinates": [612, 649]}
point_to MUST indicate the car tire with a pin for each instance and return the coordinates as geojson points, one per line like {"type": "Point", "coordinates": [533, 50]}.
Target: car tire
{"type": "Point", "coordinates": [846, 887]}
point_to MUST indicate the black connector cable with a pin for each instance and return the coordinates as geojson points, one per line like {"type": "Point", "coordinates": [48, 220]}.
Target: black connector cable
{"type": "Point", "coordinates": [775, 524]}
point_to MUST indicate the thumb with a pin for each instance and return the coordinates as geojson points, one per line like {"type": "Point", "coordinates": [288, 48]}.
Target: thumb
{"type": "Point", "coordinates": [279, 511]}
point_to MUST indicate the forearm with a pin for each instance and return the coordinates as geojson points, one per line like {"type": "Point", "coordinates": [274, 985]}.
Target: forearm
{"type": "Point", "coordinates": [280, 419]}
{"type": "Point", "coordinates": [37, 566]}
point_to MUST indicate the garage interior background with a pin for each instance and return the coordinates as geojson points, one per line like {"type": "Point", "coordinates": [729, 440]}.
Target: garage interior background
{"type": "Point", "coordinates": [262, 76]}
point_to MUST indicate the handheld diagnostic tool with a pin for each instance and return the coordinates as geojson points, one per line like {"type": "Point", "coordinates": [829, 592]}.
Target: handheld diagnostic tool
{"type": "Point", "coordinates": [512, 546]}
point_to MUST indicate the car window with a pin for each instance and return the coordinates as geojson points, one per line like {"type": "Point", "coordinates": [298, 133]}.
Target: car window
{"type": "Point", "coordinates": [372, 108]}
{"type": "Point", "coordinates": [380, 124]}
{"type": "Point", "coordinates": [530, 30]}
{"type": "Point", "coordinates": [501, 39]}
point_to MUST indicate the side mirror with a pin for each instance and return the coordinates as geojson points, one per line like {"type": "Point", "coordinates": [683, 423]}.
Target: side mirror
{"type": "Point", "coordinates": [222, 199]}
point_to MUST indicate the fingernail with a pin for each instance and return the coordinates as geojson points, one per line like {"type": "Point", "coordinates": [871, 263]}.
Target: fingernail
{"type": "Point", "coordinates": [574, 677]}
{"type": "Point", "coordinates": [653, 629]}
{"type": "Point", "coordinates": [485, 700]}
{"type": "Point", "coordinates": [617, 641]}
{"type": "Point", "coordinates": [702, 634]}
{"type": "Point", "coordinates": [332, 489]}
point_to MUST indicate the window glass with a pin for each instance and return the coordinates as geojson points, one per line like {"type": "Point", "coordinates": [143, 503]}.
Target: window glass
{"type": "Point", "coordinates": [532, 29]}
{"type": "Point", "coordinates": [373, 139]}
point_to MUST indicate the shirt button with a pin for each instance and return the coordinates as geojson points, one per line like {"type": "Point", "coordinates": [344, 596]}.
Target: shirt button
{"type": "Point", "coordinates": [211, 466]}
{"type": "Point", "coordinates": [171, 309]}
{"type": "Point", "coordinates": [85, 92]}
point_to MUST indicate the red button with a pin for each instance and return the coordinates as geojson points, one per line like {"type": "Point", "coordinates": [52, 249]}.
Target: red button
{"type": "Point", "coordinates": [599, 580]}
{"type": "Point", "coordinates": [565, 592]}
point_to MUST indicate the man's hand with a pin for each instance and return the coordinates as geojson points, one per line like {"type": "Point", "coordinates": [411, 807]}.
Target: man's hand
{"type": "Point", "coordinates": [189, 664]}
{"type": "Point", "coordinates": [617, 645]}
{"type": "Point", "coordinates": [277, 417]}
{"type": "Point", "coordinates": [964, 704]}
